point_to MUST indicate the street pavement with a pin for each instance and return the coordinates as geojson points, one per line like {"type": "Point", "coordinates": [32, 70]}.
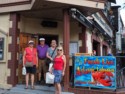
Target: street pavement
{"type": "Point", "coordinates": [19, 89]}
{"type": "Point", "coordinates": [3, 91]}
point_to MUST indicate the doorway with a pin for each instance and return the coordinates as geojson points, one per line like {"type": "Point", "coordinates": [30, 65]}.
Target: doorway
{"type": "Point", "coordinates": [24, 38]}
{"type": "Point", "coordinates": [96, 47]}
{"type": "Point", "coordinates": [23, 43]}
{"type": "Point", "coordinates": [49, 38]}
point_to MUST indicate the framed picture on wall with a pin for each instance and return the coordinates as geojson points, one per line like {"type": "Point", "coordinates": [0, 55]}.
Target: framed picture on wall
{"type": "Point", "coordinates": [1, 48]}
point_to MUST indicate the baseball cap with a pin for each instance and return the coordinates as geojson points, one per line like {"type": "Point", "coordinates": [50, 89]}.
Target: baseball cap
{"type": "Point", "coordinates": [42, 39]}
{"type": "Point", "coordinates": [31, 42]}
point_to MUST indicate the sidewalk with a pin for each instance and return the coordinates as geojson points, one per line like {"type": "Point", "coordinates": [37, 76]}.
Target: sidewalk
{"type": "Point", "coordinates": [19, 89]}
{"type": "Point", "coordinates": [3, 91]}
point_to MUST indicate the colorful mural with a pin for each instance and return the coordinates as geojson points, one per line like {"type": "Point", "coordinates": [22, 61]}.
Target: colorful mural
{"type": "Point", "coordinates": [95, 71]}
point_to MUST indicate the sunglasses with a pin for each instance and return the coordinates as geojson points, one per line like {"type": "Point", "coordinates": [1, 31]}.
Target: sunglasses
{"type": "Point", "coordinates": [59, 49]}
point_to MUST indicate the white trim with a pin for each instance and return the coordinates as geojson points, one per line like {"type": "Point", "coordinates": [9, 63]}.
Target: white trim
{"type": "Point", "coordinates": [17, 7]}
{"type": "Point", "coordinates": [84, 3]}
{"type": "Point", "coordinates": [3, 32]}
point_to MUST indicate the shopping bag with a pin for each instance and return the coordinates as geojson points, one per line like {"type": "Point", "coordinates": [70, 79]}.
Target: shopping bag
{"type": "Point", "coordinates": [50, 67]}
{"type": "Point", "coordinates": [24, 71]}
{"type": "Point", "coordinates": [49, 78]}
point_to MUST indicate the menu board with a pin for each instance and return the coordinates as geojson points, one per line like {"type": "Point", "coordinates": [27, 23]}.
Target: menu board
{"type": "Point", "coordinates": [1, 48]}
{"type": "Point", "coordinates": [73, 48]}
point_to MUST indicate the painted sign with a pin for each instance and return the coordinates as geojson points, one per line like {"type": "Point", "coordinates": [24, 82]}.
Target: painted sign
{"type": "Point", "coordinates": [95, 71]}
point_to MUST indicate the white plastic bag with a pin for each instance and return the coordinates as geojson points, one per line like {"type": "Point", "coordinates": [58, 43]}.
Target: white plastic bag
{"type": "Point", "coordinates": [49, 78]}
{"type": "Point", "coordinates": [24, 71]}
{"type": "Point", "coordinates": [50, 66]}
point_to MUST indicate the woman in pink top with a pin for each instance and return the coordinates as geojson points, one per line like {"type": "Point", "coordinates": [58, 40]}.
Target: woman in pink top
{"type": "Point", "coordinates": [59, 69]}
{"type": "Point", "coordinates": [30, 55]}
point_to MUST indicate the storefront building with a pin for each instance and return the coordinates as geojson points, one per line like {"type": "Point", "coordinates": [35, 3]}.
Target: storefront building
{"type": "Point", "coordinates": [78, 26]}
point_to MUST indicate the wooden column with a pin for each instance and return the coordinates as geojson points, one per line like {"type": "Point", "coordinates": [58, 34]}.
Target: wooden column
{"type": "Point", "coordinates": [66, 40]}
{"type": "Point", "coordinates": [83, 38]}
{"type": "Point", "coordinates": [13, 49]}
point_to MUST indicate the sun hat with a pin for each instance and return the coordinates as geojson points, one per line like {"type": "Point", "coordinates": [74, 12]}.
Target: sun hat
{"type": "Point", "coordinates": [42, 39]}
{"type": "Point", "coordinates": [31, 42]}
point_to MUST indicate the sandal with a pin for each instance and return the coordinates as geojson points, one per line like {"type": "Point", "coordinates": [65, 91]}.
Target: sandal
{"type": "Point", "coordinates": [26, 87]}
{"type": "Point", "coordinates": [32, 87]}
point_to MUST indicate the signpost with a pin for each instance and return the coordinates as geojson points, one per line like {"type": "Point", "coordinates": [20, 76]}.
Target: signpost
{"type": "Point", "coordinates": [95, 71]}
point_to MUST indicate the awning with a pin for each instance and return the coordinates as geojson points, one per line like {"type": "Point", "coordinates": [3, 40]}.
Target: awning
{"type": "Point", "coordinates": [76, 14]}
{"type": "Point", "coordinates": [113, 1]}
{"type": "Point", "coordinates": [97, 26]}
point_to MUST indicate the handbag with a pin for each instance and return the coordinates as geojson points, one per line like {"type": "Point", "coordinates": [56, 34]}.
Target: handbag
{"type": "Point", "coordinates": [48, 60]}
{"type": "Point", "coordinates": [29, 64]}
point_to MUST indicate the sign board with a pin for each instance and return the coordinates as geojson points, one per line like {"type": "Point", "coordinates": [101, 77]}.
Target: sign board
{"type": "Point", "coordinates": [99, 19]}
{"type": "Point", "coordinates": [95, 71]}
{"type": "Point", "coordinates": [1, 48]}
{"type": "Point", "coordinates": [76, 14]}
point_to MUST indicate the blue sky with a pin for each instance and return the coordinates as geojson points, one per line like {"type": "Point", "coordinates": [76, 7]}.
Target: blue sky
{"type": "Point", "coordinates": [120, 2]}
{"type": "Point", "coordinates": [122, 11]}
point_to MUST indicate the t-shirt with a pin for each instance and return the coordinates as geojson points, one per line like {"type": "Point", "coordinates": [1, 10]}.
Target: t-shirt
{"type": "Point", "coordinates": [42, 51]}
{"type": "Point", "coordinates": [50, 52]}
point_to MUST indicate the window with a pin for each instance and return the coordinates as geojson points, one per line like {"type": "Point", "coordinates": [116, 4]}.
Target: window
{"type": "Point", "coordinates": [1, 48]}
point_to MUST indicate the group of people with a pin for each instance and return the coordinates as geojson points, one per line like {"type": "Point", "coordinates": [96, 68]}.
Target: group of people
{"type": "Point", "coordinates": [38, 56]}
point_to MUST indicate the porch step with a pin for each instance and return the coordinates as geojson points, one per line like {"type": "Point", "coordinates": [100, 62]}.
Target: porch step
{"type": "Point", "coordinates": [19, 89]}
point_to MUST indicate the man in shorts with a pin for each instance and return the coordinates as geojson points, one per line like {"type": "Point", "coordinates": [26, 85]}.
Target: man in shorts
{"type": "Point", "coordinates": [42, 50]}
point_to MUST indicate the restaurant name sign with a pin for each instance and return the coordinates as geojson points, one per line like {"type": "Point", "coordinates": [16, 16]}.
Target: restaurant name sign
{"type": "Point", "coordinates": [95, 71]}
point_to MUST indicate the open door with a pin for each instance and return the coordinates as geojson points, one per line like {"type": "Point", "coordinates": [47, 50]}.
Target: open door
{"type": "Point", "coordinates": [24, 38]}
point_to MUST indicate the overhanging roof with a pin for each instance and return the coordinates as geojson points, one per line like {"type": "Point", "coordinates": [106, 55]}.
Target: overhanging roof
{"type": "Point", "coordinates": [83, 3]}
{"type": "Point", "coordinates": [113, 1]}
{"type": "Point", "coordinates": [15, 5]}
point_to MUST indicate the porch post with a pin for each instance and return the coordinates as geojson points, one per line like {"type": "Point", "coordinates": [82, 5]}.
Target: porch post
{"type": "Point", "coordinates": [13, 49]}
{"type": "Point", "coordinates": [66, 41]}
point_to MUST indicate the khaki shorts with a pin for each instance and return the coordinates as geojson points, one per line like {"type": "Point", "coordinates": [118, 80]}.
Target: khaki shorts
{"type": "Point", "coordinates": [42, 66]}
